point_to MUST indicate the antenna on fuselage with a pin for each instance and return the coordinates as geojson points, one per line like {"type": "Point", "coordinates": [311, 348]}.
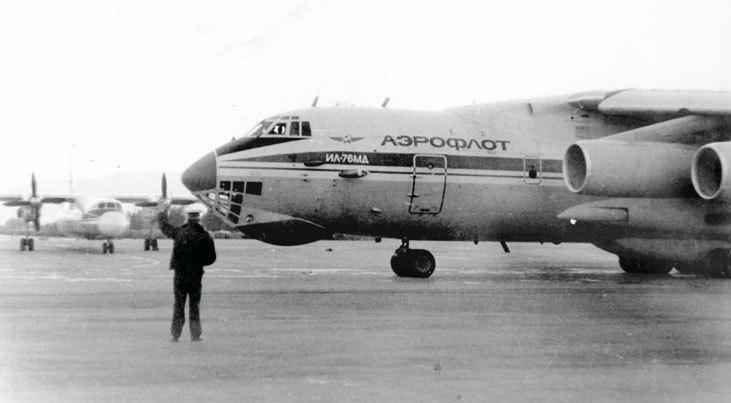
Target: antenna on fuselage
{"type": "Point", "coordinates": [314, 101]}
{"type": "Point", "coordinates": [71, 169]}
{"type": "Point", "coordinates": [385, 102]}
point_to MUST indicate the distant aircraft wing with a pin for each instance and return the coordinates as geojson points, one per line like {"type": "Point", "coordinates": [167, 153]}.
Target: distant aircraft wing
{"type": "Point", "coordinates": [146, 201]}
{"type": "Point", "coordinates": [16, 201]}
{"type": "Point", "coordinates": [183, 201]}
{"type": "Point", "coordinates": [10, 197]}
{"type": "Point", "coordinates": [60, 199]}
{"type": "Point", "coordinates": [633, 102]}
{"type": "Point", "coordinates": [133, 199]}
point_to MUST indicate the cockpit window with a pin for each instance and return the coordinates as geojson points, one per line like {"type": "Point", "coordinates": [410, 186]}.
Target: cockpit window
{"type": "Point", "coordinates": [259, 129]}
{"type": "Point", "coordinates": [278, 128]}
{"type": "Point", "coordinates": [273, 130]}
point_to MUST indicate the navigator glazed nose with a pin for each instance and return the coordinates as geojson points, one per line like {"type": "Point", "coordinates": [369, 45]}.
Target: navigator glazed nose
{"type": "Point", "coordinates": [201, 175]}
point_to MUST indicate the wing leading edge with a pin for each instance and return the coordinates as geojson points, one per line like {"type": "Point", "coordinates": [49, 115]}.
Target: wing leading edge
{"type": "Point", "coordinates": [634, 102]}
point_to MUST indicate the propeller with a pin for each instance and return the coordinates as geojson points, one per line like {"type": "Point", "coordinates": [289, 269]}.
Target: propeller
{"type": "Point", "coordinates": [35, 203]}
{"type": "Point", "coordinates": [163, 203]}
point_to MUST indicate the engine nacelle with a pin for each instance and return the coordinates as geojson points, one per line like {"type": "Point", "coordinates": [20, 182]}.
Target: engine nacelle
{"type": "Point", "coordinates": [710, 171]}
{"type": "Point", "coordinates": [628, 169]}
{"type": "Point", "coordinates": [112, 224]}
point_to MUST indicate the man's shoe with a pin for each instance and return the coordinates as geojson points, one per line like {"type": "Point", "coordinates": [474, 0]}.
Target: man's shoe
{"type": "Point", "coordinates": [174, 339]}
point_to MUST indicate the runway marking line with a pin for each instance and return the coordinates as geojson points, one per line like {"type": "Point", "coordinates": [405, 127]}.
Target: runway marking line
{"type": "Point", "coordinates": [147, 262]}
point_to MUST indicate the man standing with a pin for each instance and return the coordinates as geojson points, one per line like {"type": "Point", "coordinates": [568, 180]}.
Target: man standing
{"type": "Point", "coordinates": [193, 248]}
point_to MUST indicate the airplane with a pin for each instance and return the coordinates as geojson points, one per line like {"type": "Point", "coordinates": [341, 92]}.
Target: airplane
{"type": "Point", "coordinates": [642, 174]}
{"type": "Point", "coordinates": [94, 217]}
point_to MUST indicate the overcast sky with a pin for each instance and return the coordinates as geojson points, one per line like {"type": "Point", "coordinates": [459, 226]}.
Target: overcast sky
{"type": "Point", "coordinates": [152, 85]}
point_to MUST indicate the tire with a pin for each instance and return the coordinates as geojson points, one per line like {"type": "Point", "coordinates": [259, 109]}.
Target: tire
{"type": "Point", "coordinates": [104, 248]}
{"type": "Point", "coordinates": [111, 248]}
{"type": "Point", "coordinates": [399, 265]}
{"type": "Point", "coordinates": [637, 266]}
{"type": "Point", "coordinates": [154, 245]}
{"type": "Point", "coordinates": [422, 263]}
{"type": "Point", "coordinates": [656, 267]}
{"type": "Point", "coordinates": [22, 244]}
{"type": "Point", "coordinates": [31, 245]}
{"type": "Point", "coordinates": [687, 268]}
{"type": "Point", "coordinates": [629, 265]}
{"type": "Point", "coordinates": [418, 263]}
{"type": "Point", "coordinates": [717, 263]}
{"type": "Point", "coordinates": [147, 245]}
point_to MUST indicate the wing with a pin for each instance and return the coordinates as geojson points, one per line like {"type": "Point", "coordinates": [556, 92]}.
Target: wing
{"type": "Point", "coordinates": [634, 102]}
{"type": "Point", "coordinates": [56, 199]}
{"type": "Point", "coordinates": [15, 201]}
{"type": "Point", "coordinates": [134, 199]}
{"type": "Point", "coordinates": [8, 198]}
{"type": "Point", "coordinates": [183, 201]}
{"type": "Point", "coordinates": [146, 201]}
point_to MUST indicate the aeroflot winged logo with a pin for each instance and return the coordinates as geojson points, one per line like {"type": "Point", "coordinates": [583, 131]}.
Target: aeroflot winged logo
{"type": "Point", "coordinates": [347, 139]}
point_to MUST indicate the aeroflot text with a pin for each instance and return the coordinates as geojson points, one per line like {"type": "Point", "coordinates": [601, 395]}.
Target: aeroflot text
{"type": "Point", "coordinates": [452, 142]}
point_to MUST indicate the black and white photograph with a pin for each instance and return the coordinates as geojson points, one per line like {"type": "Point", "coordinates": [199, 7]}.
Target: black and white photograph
{"type": "Point", "coordinates": [365, 201]}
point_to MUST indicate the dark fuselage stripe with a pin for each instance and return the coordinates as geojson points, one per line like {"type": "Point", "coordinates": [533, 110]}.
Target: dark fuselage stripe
{"type": "Point", "coordinates": [491, 163]}
{"type": "Point", "coordinates": [247, 143]}
{"type": "Point", "coordinates": [449, 173]}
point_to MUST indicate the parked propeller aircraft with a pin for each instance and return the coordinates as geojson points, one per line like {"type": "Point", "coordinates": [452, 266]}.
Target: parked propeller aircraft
{"type": "Point", "coordinates": [89, 217]}
{"type": "Point", "coordinates": [643, 174]}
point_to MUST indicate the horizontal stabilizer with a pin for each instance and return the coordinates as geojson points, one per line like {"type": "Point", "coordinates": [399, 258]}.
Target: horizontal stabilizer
{"type": "Point", "coordinates": [593, 213]}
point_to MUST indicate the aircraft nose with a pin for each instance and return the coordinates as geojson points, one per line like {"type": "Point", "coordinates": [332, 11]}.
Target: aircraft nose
{"type": "Point", "coordinates": [202, 174]}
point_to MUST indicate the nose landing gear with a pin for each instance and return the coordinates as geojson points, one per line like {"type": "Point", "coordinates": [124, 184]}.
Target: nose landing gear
{"type": "Point", "coordinates": [108, 247]}
{"type": "Point", "coordinates": [150, 244]}
{"type": "Point", "coordinates": [27, 242]}
{"type": "Point", "coordinates": [407, 262]}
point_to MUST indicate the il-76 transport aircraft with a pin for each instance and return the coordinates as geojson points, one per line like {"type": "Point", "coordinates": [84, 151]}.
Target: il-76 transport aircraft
{"type": "Point", "coordinates": [643, 174]}
{"type": "Point", "coordinates": [89, 217]}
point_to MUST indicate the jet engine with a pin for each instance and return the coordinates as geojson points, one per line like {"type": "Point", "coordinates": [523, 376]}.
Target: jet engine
{"type": "Point", "coordinates": [710, 171]}
{"type": "Point", "coordinates": [628, 169]}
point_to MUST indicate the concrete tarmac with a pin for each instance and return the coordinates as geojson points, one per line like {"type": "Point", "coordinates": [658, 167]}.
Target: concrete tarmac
{"type": "Point", "coordinates": [544, 323]}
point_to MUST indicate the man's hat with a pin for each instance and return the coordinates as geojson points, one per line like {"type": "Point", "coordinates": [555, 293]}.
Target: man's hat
{"type": "Point", "coordinates": [194, 215]}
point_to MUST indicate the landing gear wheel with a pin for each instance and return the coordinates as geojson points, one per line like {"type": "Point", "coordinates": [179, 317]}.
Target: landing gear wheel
{"type": "Point", "coordinates": [399, 265]}
{"type": "Point", "coordinates": [153, 244]}
{"type": "Point", "coordinates": [110, 247]}
{"type": "Point", "coordinates": [419, 263]}
{"type": "Point", "coordinates": [147, 244]}
{"type": "Point", "coordinates": [717, 263]}
{"type": "Point", "coordinates": [422, 263]}
{"type": "Point", "coordinates": [31, 244]}
{"type": "Point", "coordinates": [638, 266]}
{"type": "Point", "coordinates": [105, 249]}
{"type": "Point", "coordinates": [23, 243]}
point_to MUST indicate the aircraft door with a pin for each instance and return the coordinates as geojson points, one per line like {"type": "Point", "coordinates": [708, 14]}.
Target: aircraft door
{"type": "Point", "coordinates": [428, 185]}
{"type": "Point", "coordinates": [532, 170]}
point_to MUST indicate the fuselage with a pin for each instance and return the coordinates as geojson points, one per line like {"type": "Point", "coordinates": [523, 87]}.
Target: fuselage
{"type": "Point", "coordinates": [481, 172]}
{"type": "Point", "coordinates": [96, 218]}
